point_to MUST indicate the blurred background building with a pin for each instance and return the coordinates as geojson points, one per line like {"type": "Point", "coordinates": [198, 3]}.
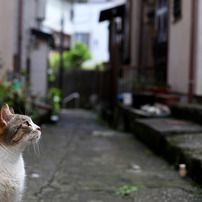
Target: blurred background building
{"type": "Point", "coordinates": [159, 39]}
{"type": "Point", "coordinates": [88, 30]}
{"type": "Point", "coordinates": [23, 43]}
{"type": "Point", "coordinates": [155, 38]}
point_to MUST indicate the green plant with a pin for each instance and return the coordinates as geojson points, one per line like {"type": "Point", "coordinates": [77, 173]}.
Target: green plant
{"type": "Point", "coordinates": [98, 66]}
{"type": "Point", "coordinates": [162, 84]}
{"type": "Point", "coordinates": [16, 96]}
{"type": "Point", "coordinates": [74, 58]}
{"type": "Point", "coordinates": [54, 61]}
{"type": "Point", "coordinates": [126, 189]}
{"type": "Point", "coordinates": [54, 99]}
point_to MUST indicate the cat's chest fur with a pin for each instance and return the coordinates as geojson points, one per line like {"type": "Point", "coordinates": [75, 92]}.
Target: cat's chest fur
{"type": "Point", "coordinates": [12, 174]}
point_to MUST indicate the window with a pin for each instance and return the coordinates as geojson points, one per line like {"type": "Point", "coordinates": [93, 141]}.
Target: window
{"type": "Point", "coordinates": [80, 1]}
{"type": "Point", "coordinates": [82, 37]}
{"type": "Point", "coordinates": [177, 10]}
{"type": "Point", "coordinates": [162, 20]}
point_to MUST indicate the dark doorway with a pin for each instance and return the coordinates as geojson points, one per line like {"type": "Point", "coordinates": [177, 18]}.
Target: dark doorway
{"type": "Point", "coordinates": [160, 46]}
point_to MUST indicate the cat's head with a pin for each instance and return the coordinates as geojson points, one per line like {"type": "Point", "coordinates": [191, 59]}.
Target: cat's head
{"type": "Point", "coordinates": [16, 129]}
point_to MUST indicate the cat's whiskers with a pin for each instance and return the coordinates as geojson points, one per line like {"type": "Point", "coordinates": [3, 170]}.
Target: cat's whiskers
{"type": "Point", "coordinates": [41, 143]}
{"type": "Point", "coordinates": [33, 116]}
{"type": "Point", "coordinates": [36, 150]}
{"type": "Point", "coordinates": [20, 110]}
{"type": "Point", "coordinates": [27, 111]}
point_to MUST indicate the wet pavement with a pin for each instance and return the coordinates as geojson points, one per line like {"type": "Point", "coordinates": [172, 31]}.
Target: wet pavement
{"type": "Point", "coordinates": [81, 160]}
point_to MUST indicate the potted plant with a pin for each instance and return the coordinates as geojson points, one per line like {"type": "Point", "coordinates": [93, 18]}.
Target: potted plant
{"type": "Point", "coordinates": [160, 88]}
{"type": "Point", "coordinates": [141, 93]}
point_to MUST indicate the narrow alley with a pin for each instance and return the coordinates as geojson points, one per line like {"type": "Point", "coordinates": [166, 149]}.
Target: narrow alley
{"type": "Point", "coordinates": [81, 160]}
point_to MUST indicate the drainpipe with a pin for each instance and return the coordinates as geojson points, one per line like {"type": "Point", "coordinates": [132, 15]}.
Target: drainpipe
{"type": "Point", "coordinates": [19, 40]}
{"type": "Point", "coordinates": [140, 27]}
{"type": "Point", "coordinates": [194, 15]}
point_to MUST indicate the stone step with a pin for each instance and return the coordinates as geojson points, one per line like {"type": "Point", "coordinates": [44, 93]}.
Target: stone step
{"type": "Point", "coordinates": [180, 142]}
{"type": "Point", "coordinates": [191, 112]}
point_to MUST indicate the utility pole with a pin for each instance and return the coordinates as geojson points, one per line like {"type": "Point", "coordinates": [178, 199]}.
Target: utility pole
{"type": "Point", "coordinates": [61, 49]}
{"type": "Point", "coordinates": [19, 39]}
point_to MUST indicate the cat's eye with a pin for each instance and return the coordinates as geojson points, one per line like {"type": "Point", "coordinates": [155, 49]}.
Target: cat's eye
{"type": "Point", "coordinates": [26, 123]}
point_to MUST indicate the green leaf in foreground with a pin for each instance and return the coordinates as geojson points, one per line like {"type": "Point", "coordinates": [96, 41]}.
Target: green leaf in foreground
{"type": "Point", "coordinates": [125, 190]}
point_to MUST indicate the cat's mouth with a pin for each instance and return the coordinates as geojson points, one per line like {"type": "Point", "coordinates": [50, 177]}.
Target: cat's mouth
{"type": "Point", "coordinates": [35, 138]}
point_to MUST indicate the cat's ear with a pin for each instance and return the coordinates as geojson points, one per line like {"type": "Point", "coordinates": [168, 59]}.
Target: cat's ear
{"type": "Point", "coordinates": [5, 115]}
{"type": "Point", "coordinates": [11, 110]}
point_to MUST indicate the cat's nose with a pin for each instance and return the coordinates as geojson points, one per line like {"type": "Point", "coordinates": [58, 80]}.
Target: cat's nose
{"type": "Point", "coordinates": [38, 128]}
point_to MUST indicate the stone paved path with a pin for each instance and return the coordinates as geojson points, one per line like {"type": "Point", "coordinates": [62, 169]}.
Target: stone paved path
{"type": "Point", "coordinates": [81, 160]}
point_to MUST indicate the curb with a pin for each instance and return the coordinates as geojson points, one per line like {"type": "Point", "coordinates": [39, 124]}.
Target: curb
{"type": "Point", "coordinates": [180, 142]}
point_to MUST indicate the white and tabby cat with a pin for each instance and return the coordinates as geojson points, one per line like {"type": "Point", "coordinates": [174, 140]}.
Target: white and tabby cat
{"type": "Point", "coordinates": [16, 132]}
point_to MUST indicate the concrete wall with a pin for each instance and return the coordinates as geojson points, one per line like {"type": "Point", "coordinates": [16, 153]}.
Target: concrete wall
{"type": "Point", "coordinates": [179, 49]}
{"type": "Point", "coordinates": [39, 64]}
{"type": "Point", "coordinates": [8, 41]}
{"type": "Point", "coordinates": [34, 49]}
{"type": "Point", "coordinates": [7, 34]}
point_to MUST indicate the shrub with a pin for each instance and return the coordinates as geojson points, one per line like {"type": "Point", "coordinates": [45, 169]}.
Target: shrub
{"type": "Point", "coordinates": [54, 61]}
{"type": "Point", "coordinates": [15, 95]}
{"type": "Point", "coordinates": [75, 58]}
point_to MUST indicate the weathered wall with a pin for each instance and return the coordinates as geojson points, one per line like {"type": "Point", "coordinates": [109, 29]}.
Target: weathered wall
{"type": "Point", "coordinates": [7, 33]}
{"type": "Point", "coordinates": [35, 49]}
{"type": "Point", "coordinates": [38, 72]}
{"type": "Point", "coordinates": [179, 49]}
